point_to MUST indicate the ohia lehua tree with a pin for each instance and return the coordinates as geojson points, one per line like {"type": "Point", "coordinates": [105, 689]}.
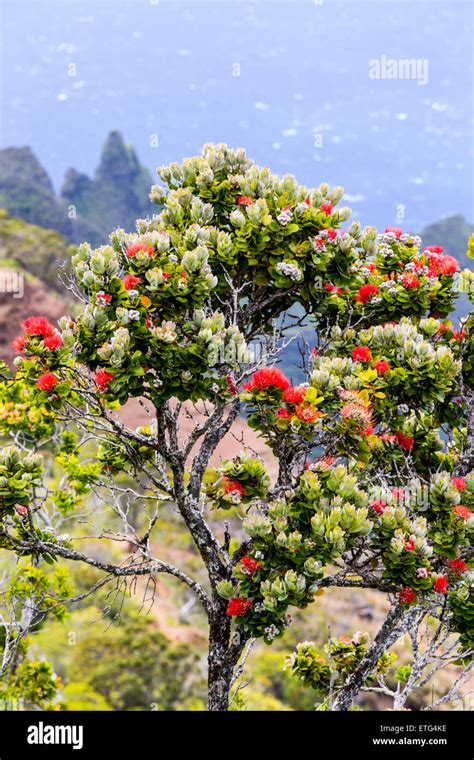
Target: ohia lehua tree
{"type": "Point", "coordinates": [374, 450]}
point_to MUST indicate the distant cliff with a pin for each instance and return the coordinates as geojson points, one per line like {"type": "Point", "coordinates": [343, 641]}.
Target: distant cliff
{"type": "Point", "coordinates": [87, 209]}
{"type": "Point", "coordinates": [453, 233]}
{"type": "Point", "coordinates": [26, 190]}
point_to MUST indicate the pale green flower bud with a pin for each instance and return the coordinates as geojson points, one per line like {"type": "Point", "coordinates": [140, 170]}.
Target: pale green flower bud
{"type": "Point", "coordinates": [205, 335]}
{"type": "Point", "coordinates": [205, 179]}
{"type": "Point", "coordinates": [210, 281]}
{"type": "Point", "coordinates": [257, 526]}
{"type": "Point", "coordinates": [336, 194]}
{"type": "Point", "coordinates": [224, 244]}
{"type": "Point", "coordinates": [430, 326]}
{"type": "Point", "coordinates": [174, 211]}
{"type": "Point", "coordinates": [312, 567]}
{"type": "Point", "coordinates": [176, 171]}
{"type": "Point", "coordinates": [237, 218]}
{"type": "Point", "coordinates": [164, 172]}
{"type": "Point", "coordinates": [166, 332]}
{"type": "Point", "coordinates": [345, 242]}
{"type": "Point", "coordinates": [344, 213]}
{"type": "Point", "coordinates": [163, 242]}
{"type": "Point", "coordinates": [89, 279]}
{"type": "Point", "coordinates": [225, 589]}
{"type": "Point", "coordinates": [354, 229]}
{"type": "Point", "coordinates": [157, 194]}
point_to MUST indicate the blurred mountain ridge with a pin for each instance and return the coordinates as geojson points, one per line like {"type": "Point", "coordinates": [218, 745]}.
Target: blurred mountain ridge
{"type": "Point", "coordinates": [87, 208]}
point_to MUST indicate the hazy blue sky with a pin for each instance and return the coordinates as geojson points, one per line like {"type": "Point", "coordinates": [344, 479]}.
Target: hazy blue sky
{"type": "Point", "coordinates": [303, 103]}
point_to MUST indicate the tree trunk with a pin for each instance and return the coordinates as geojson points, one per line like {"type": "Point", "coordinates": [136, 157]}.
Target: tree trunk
{"type": "Point", "coordinates": [224, 654]}
{"type": "Point", "coordinates": [220, 665]}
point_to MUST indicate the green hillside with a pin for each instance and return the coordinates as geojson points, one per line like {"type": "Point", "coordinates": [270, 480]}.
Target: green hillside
{"type": "Point", "coordinates": [36, 250]}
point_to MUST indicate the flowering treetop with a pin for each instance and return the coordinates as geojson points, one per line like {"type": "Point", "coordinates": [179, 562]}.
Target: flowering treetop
{"type": "Point", "coordinates": [375, 450]}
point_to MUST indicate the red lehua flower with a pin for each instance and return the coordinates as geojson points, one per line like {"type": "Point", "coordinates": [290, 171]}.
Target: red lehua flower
{"type": "Point", "coordinates": [166, 275]}
{"type": "Point", "coordinates": [457, 335]}
{"type": "Point", "coordinates": [382, 367]}
{"type": "Point", "coordinates": [434, 249]}
{"type": "Point", "coordinates": [327, 208]}
{"type": "Point", "coordinates": [361, 354]}
{"type": "Point", "coordinates": [355, 411]}
{"type": "Point", "coordinates": [102, 379]}
{"type": "Point", "coordinates": [369, 430]}
{"type": "Point", "coordinates": [405, 441]}
{"type": "Point", "coordinates": [130, 281]}
{"type": "Point", "coordinates": [458, 566]}
{"type": "Point", "coordinates": [52, 342]}
{"type": "Point", "coordinates": [132, 250]}
{"type": "Point", "coordinates": [307, 413]}
{"type": "Point", "coordinates": [366, 292]}
{"type": "Point", "coordinates": [21, 510]}
{"type": "Point", "coordinates": [441, 584]}
{"type": "Point", "coordinates": [448, 265]}
{"type": "Point", "coordinates": [379, 506]}
{"type": "Point", "coordinates": [396, 231]}
{"type": "Point", "coordinates": [38, 326]}
{"type": "Point", "coordinates": [307, 201]}
{"type": "Point", "coordinates": [249, 565]}
{"type": "Point", "coordinates": [232, 485]}
{"type": "Point", "coordinates": [459, 484]}
{"type": "Point", "coordinates": [47, 381]}
{"type": "Point", "coordinates": [231, 385]}
{"type": "Point", "coordinates": [332, 234]}
{"type": "Point", "coordinates": [410, 545]}
{"type": "Point", "coordinates": [406, 595]}
{"type": "Point", "coordinates": [295, 394]}
{"type": "Point", "coordinates": [148, 322]}
{"type": "Point", "coordinates": [245, 200]}
{"type": "Point", "coordinates": [19, 343]}
{"type": "Point", "coordinates": [282, 413]}
{"type": "Point", "coordinates": [410, 280]}
{"type": "Point", "coordinates": [269, 377]}
{"type": "Point", "coordinates": [238, 607]}
{"type": "Point", "coordinates": [314, 352]}
{"type": "Point", "coordinates": [462, 511]}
